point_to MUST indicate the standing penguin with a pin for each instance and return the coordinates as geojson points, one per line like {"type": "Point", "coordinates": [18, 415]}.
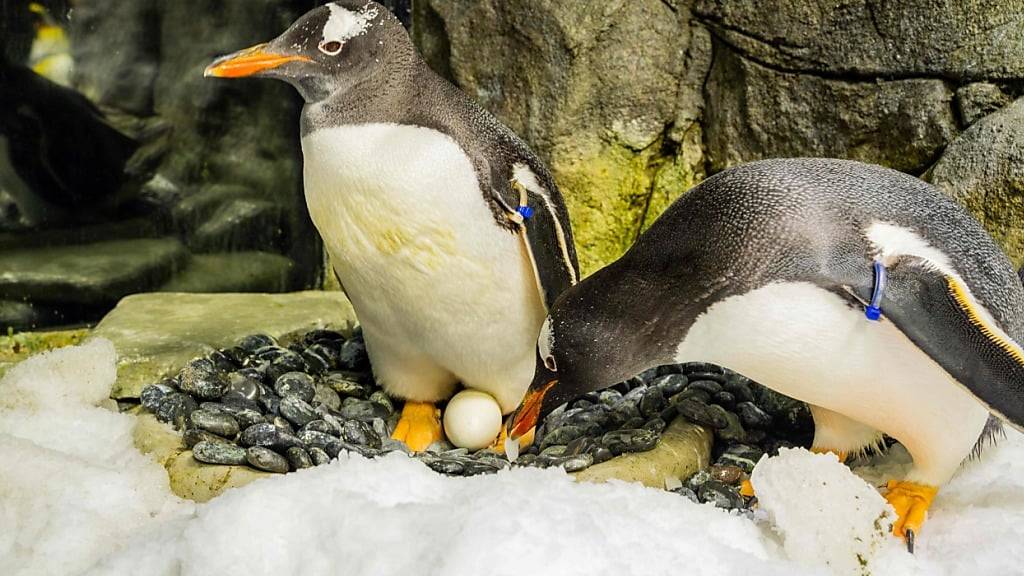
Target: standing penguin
{"type": "Point", "coordinates": [860, 290]}
{"type": "Point", "coordinates": [446, 231]}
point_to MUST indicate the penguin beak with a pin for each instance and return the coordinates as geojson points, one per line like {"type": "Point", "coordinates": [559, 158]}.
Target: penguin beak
{"type": "Point", "coordinates": [524, 421]}
{"type": "Point", "coordinates": [249, 62]}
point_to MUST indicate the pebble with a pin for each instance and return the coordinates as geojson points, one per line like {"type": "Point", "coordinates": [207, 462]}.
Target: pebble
{"type": "Point", "coordinates": [671, 384]}
{"type": "Point", "coordinates": [295, 384]}
{"type": "Point", "coordinates": [193, 436]}
{"type": "Point", "coordinates": [345, 386]}
{"type": "Point", "coordinates": [363, 410]}
{"type": "Point", "coordinates": [202, 379]}
{"type": "Point", "coordinates": [709, 386]}
{"type": "Point", "coordinates": [324, 427]}
{"type": "Point", "coordinates": [243, 386]}
{"type": "Point", "coordinates": [353, 355]}
{"type": "Point", "coordinates": [636, 440]}
{"type": "Point", "coordinates": [260, 435]}
{"type": "Point", "coordinates": [218, 423]}
{"type": "Point", "coordinates": [688, 493]}
{"type": "Point", "coordinates": [733, 430]}
{"type": "Point", "coordinates": [254, 342]}
{"type": "Point", "coordinates": [752, 416]}
{"type": "Point", "coordinates": [731, 475]}
{"type": "Point", "coordinates": [743, 456]}
{"type": "Point", "coordinates": [360, 434]}
{"type": "Point", "coordinates": [255, 395]}
{"type": "Point", "coordinates": [298, 458]}
{"type": "Point", "coordinates": [248, 418]}
{"type": "Point", "coordinates": [282, 424]}
{"type": "Point", "coordinates": [266, 459]}
{"type": "Point", "coordinates": [297, 411]}
{"type": "Point", "coordinates": [175, 409]}
{"type": "Point", "coordinates": [318, 455]}
{"type": "Point", "coordinates": [152, 395]}
{"type": "Point", "coordinates": [721, 495]}
{"type": "Point", "coordinates": [652, 402]}
{"type": "Point", "coordinates": [576, 462]}
{"type": "Point", "coordinates": [327, 397]}
{"type": "Point", "coordinates": [562, 435]}
{"type": "Point", "coordinates": [379, 397]}
{"type": "Point", "coordinates": [219, 453]}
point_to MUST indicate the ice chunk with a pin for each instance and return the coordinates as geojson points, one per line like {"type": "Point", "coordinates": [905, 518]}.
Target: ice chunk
{"type": "Point", "coordinates": [825, 514]}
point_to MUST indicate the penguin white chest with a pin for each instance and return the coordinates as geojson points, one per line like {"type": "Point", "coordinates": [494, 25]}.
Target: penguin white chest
{"type": "Point", "coordinates": [808, 343]}
{"type": "Point", "coordinates": [416, 245]}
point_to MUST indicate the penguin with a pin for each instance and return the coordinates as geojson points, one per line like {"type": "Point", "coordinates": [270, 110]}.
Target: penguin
{"type": "Point", "coordinates": [862, 291]}
{"type": "Point", "coordinates": [446, 231]}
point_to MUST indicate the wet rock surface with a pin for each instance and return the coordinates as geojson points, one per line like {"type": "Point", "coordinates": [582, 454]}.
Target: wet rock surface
{"type": "Point", "coordinates": [280, 405]}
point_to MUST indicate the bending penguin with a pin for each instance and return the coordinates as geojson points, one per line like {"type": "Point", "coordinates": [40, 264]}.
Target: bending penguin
{"type": "Point", "coordinates": [860, 290]}
{"type": "Point", "coordinates": [447, 232]}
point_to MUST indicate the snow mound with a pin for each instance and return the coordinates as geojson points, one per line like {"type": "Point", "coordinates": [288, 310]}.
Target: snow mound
{"type": "Point", "coordinates": [72, 484]}
{"type": "Point", "coordinates": [824, 513]}
{"type": "Point", "coordinates": [76, 498]}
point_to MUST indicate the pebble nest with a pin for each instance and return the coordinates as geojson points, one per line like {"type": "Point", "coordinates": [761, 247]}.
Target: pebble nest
{"type": "Point", "coordinates": [283, 406]}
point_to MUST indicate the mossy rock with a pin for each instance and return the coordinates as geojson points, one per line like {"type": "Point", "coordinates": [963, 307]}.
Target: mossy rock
{"type": "Point", "coordinates": [156, 334]}
{"type": "Point", "coordinates": [684, 449]}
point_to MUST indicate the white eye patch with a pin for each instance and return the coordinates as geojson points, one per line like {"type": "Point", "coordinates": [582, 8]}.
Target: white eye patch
{"type": "Point", "coordinates": [545, 343]}
{"type": "Point", "coordinates": [330, 47]}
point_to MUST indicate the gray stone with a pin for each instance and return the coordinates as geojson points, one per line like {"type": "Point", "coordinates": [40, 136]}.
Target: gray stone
{"type": "Point", "coordinates": [194, 324]}
{"type": "Point", "coordinates": [219, 453]}
{"type": "Point", "coordinates": [763, 113]}
{"type": "Point", "coordinates": [217, 423]}
{"type": "Point", "coordinates": [266, 459]}
{"type": "Point", "coordinates": [858, 39]}
{"type": "Point", "coordinates": [979, 99]}
{"type": "Point", "coordinates": [983, 169]}
{"type": "Point", "coordinates": [90, 274]}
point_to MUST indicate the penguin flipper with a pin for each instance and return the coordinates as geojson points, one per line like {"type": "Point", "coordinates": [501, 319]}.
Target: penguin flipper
{"type": "Point", "coordinates": [938, 313]}
{"type": "Point", "coordinates": [546, 228]}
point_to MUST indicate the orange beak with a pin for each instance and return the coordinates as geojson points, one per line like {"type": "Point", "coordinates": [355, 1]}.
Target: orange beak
{"type": "Point", "coordinates": [525, 418]}
{"type": "Point", "coordinates": [248, 62]}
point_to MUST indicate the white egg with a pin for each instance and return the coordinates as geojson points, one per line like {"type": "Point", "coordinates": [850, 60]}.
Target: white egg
{"type": "Point", "coordinates": [472, 419]}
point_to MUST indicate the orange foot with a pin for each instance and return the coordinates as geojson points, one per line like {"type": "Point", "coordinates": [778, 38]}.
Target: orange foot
{"type": "Point", "coordinates": [419, 426]}
{"type": "Point", "coordinates": [911, 502]}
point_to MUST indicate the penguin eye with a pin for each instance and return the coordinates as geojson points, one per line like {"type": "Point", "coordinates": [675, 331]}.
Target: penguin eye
{"type": "Point", "coordinates": [549, 362]}
{"type": "Point", "coordinates": [331, 47]}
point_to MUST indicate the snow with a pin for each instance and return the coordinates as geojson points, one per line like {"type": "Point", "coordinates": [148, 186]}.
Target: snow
{"type": "Point", "coordinates": [801, 494]}
{"type": "Point", "coordinates": [77, 498]}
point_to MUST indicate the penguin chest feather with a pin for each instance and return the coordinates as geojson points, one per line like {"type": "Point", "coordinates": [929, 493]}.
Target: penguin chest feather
{"type": "Point", "coordinates": [810, 344]}
{"type": "Point", "coordinates": [417, 248]}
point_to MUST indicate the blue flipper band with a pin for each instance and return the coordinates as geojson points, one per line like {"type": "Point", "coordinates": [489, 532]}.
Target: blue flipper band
{"type": "Point", "coordinates": [525, 212]}
{"type": "Point", "coordinates": [874, 310]}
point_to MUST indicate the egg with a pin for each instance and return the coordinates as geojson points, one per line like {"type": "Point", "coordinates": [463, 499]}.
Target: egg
{"type": "Point", "coordinates": [472, 419]}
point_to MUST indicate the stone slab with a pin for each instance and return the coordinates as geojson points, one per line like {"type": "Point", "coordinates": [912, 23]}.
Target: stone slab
{"type": "Point", "coordinates": [188, 478]}
{"type": "Point", "coordinates": [684, 449]}
{"type": "Point", "coordinates": [89, 274]}
{"type": "Point", "coordinates": [156, 334]}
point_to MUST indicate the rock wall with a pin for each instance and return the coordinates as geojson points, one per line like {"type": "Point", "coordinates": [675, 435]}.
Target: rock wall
{"type": "Point", "coordinates": [632, 102]}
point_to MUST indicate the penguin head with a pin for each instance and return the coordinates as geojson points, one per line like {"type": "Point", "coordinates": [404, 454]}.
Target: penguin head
{"type": "Point", "coordinates": [582, 347]}
{"type": "Point", "coordinates": [326, 51]}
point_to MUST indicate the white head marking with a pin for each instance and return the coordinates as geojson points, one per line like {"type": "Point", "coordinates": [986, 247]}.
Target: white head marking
{"type": "Point", "coordinates": [344, 24]}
